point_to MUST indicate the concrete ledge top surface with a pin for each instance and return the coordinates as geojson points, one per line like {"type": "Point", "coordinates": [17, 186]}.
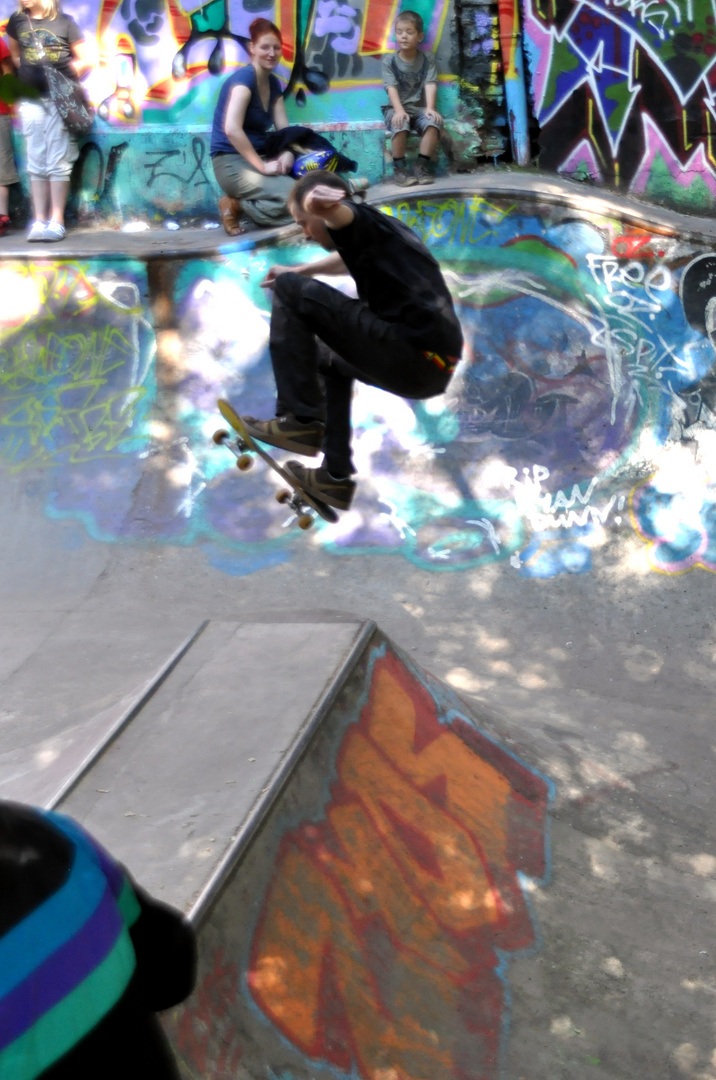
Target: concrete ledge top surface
{"type": "Point", "coordinates": [160, 243]}
{"type": "Point", "coordinates": [183, 786]}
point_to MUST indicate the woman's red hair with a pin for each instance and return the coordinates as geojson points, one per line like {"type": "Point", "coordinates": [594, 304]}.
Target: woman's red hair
{"type": "Point", "coordinates": [259, 27]}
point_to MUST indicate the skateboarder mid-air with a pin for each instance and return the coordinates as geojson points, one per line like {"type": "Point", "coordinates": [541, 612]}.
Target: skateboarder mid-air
{"type": "Point", "coordinates": [401, 334]}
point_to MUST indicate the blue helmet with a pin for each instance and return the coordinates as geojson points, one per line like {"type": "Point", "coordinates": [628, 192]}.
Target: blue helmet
{"type": "Point", "coordinates": [317, 159]}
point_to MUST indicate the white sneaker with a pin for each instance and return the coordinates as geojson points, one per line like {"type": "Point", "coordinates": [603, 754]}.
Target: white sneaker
{"type": "Point", "coordinates": [37, 232]}
{"type": "Point", "coordinates": [54, 231]}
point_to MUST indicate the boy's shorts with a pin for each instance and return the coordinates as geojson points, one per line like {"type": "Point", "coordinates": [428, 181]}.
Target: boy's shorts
{"type": "Point", "coordinates": [8, 169]}
{"type": "Point", "coordinates": [51, 150]}
{"type": "Point", "coordinates": [418, 120]}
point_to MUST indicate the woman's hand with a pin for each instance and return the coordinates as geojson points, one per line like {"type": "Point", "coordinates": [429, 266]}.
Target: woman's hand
{"type": "Point", "coordinates": [280, 166]}
{"type": "Point", "coordinates": [286, 160]}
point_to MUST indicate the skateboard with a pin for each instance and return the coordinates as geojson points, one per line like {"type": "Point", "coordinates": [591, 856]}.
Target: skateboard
{"type": "Point", "coordinates": [243, 446]}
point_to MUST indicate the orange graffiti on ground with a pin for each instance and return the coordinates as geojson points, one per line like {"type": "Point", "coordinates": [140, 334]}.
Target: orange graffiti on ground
{"type": "Point", "coordinates": [377, 942]}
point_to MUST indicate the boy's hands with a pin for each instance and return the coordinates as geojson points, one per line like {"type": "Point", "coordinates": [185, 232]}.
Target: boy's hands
{"type": "Point", "coordinates": [400, 117]}
{"type": "Point", "coordinates": [434, 115]}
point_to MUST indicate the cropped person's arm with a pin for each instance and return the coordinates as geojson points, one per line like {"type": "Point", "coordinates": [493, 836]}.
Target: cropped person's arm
{"type": "Point", "coordinates": [236, 107]}
{"type": "Point", "coordinates": [81, 61]}
{"type": "Point", "coordinates": [14, 48]}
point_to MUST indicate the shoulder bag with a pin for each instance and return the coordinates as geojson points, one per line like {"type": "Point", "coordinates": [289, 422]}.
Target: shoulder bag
{"type": "Point", "coordinates": [69, 98]}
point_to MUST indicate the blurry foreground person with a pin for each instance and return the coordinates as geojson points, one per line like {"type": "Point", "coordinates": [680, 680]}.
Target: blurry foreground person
{"type": "Point", "coordinates": [86, 958]}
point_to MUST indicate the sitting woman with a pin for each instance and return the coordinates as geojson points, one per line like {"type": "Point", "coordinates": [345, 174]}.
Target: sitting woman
{"type": "Point", "coordinates": [253, 148]}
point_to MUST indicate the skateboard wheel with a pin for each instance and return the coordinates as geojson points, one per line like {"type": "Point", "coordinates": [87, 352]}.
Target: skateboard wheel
{"type": "Point", "coordinates": [220, 436]}
{"type": "Point", "coordinates": [283, 496]}
{"type": "Point", "coordinates": [244, 462]}
{"type": "Point", "coordinates": [305, 521]}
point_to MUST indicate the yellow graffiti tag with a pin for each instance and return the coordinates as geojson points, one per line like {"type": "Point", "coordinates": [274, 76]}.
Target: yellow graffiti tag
{"type": "Point", "coordinates": [462, 221]}
{"type": "Point", "coordinates": [68, 390]}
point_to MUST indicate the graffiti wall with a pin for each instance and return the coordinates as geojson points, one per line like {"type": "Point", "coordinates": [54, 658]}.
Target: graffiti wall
{"type": "Point", "coordinates": [369, 931]}
{"type": "Point", "coordinates": [162, 62]}
{"type": "Point", "coordinates": [624, 94]}
{"type": "Point", "coordinates": [159, 67]}
{"type": "Point", "coordinates": [583, 410]}
{"type": "Point", "coordinates": [76, 372]}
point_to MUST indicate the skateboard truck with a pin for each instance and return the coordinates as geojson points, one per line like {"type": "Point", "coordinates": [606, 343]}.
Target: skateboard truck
{"type": "Point", "coordinates": [237, 446]}
{"type": "Point", "coordinates": [242, 446]}
{"type": "Point", "coordinates": [244, 461]}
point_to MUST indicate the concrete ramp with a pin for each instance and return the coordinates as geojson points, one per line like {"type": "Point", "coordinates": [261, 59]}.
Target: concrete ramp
{"type": "Point", "coordinates": [363, 919]}
{"type": "Point", "coordinates": [355, 854]}
{"type": "Point", "coordinates": [177, 785]}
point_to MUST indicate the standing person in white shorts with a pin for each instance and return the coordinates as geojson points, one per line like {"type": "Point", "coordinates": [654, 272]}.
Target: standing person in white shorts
{"type": "Point", "coordinates": [8, 169]}
{"type": "Point", "coordinates": [40, 34]}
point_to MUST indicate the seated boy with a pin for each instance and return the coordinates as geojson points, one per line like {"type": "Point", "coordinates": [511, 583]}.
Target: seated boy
{"type": "Point", "coordinates": [410, 78]}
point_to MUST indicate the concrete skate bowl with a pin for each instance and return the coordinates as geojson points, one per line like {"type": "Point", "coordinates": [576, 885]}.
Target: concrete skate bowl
{"type": "Point", "coordinates": [582, 410]}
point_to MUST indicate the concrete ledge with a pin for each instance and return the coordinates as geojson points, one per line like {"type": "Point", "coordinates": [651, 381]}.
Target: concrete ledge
{"type": "Point", "coordinates": [487, 182]}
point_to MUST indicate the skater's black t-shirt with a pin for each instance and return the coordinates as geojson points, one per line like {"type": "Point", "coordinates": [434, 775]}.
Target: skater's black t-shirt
{"type": "Point", "coordinates": [399, 280]}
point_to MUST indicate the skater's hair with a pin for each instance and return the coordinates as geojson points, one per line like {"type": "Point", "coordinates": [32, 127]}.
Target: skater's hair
{"type": "Point", "coordinates": [259, 27]}
{"type": "Point", "coordinates": [411, 17]}
{"type": "Point", "coordinates": [312, 179]}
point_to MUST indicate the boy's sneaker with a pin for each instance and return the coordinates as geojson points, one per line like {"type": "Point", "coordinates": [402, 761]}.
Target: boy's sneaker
{"type": "Point", "coordinates": [287, 433]}
{"type": "Point", "coordinates": [323, 486]}
{"type": "Point", "coordinates": [4, 224]}
{"type": "Point", "coordinates": [422, 173]}
{"type": "Point", "coordinates": [37, 232]}
{"type": "Point", "coordinates": [54, 231]}
{"type": "Point", "coordinates": [403, 177]}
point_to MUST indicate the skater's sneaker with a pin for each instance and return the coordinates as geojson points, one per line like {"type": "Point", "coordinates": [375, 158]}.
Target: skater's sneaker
{"type": "Point", "coordinates": [287, 433]}
{"type": "Point", "coordinates": [323, 486]}
{"type": "Point", "coordinates": [422, 173]}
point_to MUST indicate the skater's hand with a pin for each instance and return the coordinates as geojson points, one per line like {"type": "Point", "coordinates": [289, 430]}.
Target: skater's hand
{"type": "Point", "coordinates": [400, 117]}
{"type": "Point", "coordinates": [271, 168]}
{"type": "Point", "coordinates": [272, 273]}
{"type": "Point", "coordinates": [323, 199]}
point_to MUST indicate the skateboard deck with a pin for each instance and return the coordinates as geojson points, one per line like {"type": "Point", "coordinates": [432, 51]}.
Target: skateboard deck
{"type": "Point", "coordinates": [241, 447]}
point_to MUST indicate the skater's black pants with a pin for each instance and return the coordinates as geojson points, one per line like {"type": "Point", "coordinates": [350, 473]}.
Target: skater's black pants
{"type": "Point", "coordinates": [356, 345]}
